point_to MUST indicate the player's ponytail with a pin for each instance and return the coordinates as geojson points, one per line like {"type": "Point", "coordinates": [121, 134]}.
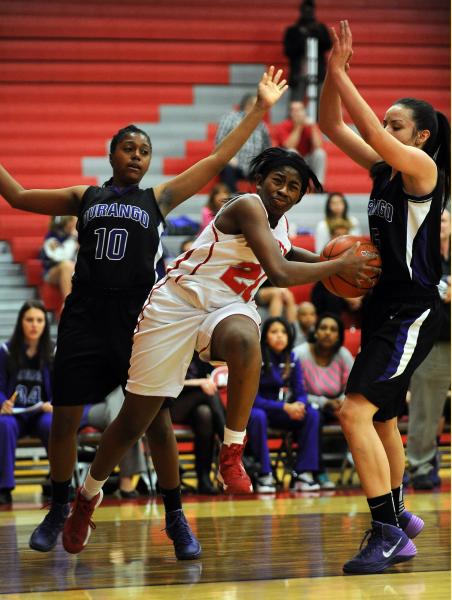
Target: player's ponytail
{"type": "Point", "coordinates": [438, 144]}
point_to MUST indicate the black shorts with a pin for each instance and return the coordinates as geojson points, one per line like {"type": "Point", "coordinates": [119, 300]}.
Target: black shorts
{"type": "Point", "coordinates": [396, 338]}
{"type": "Point", "coordinates": [94, 344]}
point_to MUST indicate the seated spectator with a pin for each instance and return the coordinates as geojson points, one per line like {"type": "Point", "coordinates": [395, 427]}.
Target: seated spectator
{"type": "Point", "coordinates": [258, 141]}
{"type": "Point", "coordinates": [279, 302]}
{"type": "Point", "coordinates": [217, 197]}
{"type": "Point", "coordinates": [199, 406]}
{"type": "Point", "coordinates": [25, 388]}
{"type": "Point", "coordinates": [326, 364]}
{"type": "Point", "coordinates": [281, 402]}
{"type": "Point", "coordinates": [133, 462]}
{"type": "Point", "coordinates": [299, 133]}
{"type": "Point", "coordinates": [336, 207]}
{"type": "Point", "coordinates": [59, 252]}
{"type": "Point", "coordinates": [305, 323]}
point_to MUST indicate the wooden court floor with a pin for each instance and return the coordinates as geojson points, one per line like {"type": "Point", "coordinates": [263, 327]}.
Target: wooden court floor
{"type": "Point", "coordinates": [283, 546]}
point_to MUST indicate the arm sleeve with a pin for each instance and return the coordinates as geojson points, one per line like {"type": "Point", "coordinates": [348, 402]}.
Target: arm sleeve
{"type": "Point", "coordinates": [297, 384]}
{"type": "Point", "coordinates": [267, 141]}
{"type": "Point", "coordinates": [270, 406]}
{"type": "Point", "coordinates": [3, 376]}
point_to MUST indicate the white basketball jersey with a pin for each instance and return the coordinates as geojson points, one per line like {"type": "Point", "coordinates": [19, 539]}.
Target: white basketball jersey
{"type": "Point", "coordinates": [221, 268]}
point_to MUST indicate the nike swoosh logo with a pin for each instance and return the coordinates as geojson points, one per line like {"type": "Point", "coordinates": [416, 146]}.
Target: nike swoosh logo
{"type": "Point", "coordinates": [389, 552]}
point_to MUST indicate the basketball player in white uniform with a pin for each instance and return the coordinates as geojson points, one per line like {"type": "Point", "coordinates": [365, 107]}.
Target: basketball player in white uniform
{"type": "Point", "coordinates": [205, 303]}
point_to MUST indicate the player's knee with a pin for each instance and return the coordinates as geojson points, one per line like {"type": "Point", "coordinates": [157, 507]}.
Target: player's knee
{"type": "Point", "coordinates": [160, 431]}
{"type": "Point", "coordinates": [244, 349]}
{"type": "Point", "coordinates": [347, 417]}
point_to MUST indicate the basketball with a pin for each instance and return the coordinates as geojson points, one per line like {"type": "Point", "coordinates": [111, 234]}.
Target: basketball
{"type": "Point", "coordinates": [341, 285]}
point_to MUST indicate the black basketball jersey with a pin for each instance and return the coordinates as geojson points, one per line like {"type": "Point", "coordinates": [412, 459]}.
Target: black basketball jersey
{"type": "Point", "coordinates": [119, 233]}
{"type": "Point", "coordinates": [405, 229]}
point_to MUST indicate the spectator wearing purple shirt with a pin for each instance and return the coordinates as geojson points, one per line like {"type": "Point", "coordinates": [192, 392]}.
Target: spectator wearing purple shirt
{"type": "Point", "coordinates": [281, 402]}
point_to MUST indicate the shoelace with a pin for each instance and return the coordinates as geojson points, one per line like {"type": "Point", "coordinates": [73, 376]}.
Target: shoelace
{"type": "Point", "coordinates": [369, 536]}
{"type": "Point", "coordinates": [234, 462]}
{"type": "Point", "coordinates": [183, 530]}
{"type": "Point", "coordinates": [85, 507]}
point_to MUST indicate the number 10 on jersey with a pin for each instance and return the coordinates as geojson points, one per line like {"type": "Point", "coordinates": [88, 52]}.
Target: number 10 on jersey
{"type": "Point", "coordinates": [112, 244]}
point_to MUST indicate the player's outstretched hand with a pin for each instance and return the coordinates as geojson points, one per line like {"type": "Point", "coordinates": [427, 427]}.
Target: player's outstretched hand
{"type": "Point", "coordinates": [270, 89]}
{"type": "Point", "coordinates": [342, 51]}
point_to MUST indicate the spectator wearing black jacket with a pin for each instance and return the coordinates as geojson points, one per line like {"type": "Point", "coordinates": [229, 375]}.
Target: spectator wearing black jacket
{"type": "Point", "coordinates": [295, 38]}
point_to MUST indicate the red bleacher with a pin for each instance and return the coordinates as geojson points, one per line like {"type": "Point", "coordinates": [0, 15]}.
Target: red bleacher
{"type": "Point", "coordinates": [73, 73]}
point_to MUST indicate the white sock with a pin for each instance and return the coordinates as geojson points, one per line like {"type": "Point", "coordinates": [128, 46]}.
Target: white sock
{"type": "Point", "coordinates": [91, 487]}
{"type": "Point", "coordinates": [233, 437]}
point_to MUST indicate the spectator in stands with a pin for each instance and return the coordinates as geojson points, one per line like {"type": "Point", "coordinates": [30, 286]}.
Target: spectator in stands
{"type": "Point", "coordinates": [133, 462]}
{"type": "Point", "coordinates": [217, 197]}
{"type": "Point", "coordinates": [59, 252]}
{"type": "Point", "coordinates": [295, 39]}
{"type": "Point", "coordinates": [326, 364]}
{"type": "Point", "coordinates": [305, 323]}
{"type": "Point", "coordinates": [199, 406]}
{"type": "Point", "coordinates": [336, 207]}
{"type": "Point", "coordinates": [281, 403]}
{"type": "Point", "coordinates": [25, 388]}
{"type": "Point", "coordinates": [259, 140]}
{"type": "Point", "coordinates": [429, 385]}
{"type": "Point", "coordinates": [300, 134]}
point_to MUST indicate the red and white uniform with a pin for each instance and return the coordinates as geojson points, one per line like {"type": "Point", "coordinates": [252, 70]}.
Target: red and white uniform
{"type": "Point", "coordinates": [218, 277]}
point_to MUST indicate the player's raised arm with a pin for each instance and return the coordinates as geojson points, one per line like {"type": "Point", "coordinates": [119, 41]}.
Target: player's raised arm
{"type": "Point", "coordinates": [64, 201]}
{"type": "Point", "coordinates": [409, 159]}
{"type": "Point", "coordinates": [331, 120]}
{"type": "Point", "coordinates": [269, 91]}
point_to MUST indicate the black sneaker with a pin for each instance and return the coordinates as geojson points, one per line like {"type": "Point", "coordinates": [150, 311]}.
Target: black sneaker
{"type": "Point", "coordinates": [186, 546]}
{"type": "Point", "coordinates": [45, 536]}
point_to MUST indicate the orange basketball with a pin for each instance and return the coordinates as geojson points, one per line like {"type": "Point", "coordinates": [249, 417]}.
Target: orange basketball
{"type": "Point", "coordinates": [341, 285]}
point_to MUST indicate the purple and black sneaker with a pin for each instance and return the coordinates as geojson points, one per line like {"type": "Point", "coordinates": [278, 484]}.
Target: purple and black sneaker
{"type": "Point", "coordinates": [411, 524]}
{"type": "Point", "coordinates": [386, 546]}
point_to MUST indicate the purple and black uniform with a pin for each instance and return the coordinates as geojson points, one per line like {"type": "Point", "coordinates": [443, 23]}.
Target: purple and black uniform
{"type": "Point", "coordinates": [120, 244]}
{"type": "Point", "coordinates": [401, 317]}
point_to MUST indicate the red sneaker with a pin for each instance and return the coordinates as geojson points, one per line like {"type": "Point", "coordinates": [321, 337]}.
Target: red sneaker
{"type": "Point", "coordinates": [77, 528]}
{"type": "Point", "coordinates": [232, 476]}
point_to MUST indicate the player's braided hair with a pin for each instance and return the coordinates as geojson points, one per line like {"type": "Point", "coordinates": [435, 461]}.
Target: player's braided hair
{"type": "Point", "coordinates": [274, 158]}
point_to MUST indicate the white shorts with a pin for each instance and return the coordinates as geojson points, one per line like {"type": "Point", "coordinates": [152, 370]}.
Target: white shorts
{"type": "Point", "coordinates": [168, 332]}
